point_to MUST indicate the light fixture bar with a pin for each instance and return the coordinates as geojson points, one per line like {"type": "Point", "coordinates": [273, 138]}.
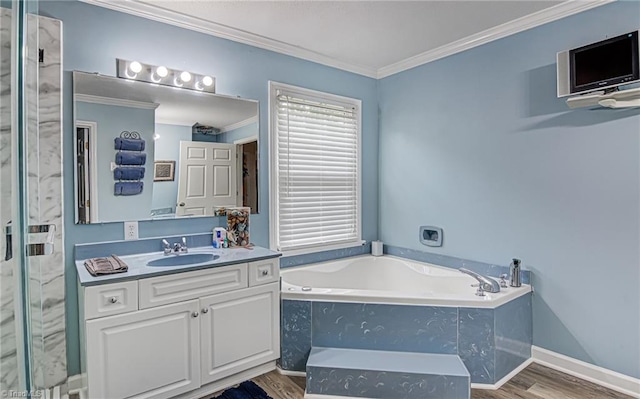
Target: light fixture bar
{"type": "Point", "coordinates": [162, 75]}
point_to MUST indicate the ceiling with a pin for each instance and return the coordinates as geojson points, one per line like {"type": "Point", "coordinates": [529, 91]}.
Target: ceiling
{"type": "Point", "coordinates": [373, 38]}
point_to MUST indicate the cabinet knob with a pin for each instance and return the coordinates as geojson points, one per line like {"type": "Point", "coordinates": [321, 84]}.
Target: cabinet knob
{"type": "Point", "coordinates": [113, 299]}
{"type": "Point", "coordinates": [265, 272]}
{"type": "Point", "coordinates": [195, 314]}
{"type": "Point", "coordinates": [205, 310]}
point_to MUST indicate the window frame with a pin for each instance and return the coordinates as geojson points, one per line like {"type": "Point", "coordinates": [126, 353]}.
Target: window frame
{"type": "Point", "coordinates": [274, 87]}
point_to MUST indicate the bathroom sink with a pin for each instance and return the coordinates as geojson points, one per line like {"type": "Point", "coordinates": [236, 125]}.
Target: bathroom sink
{"type": "Point", "coordinates": [182, 260]}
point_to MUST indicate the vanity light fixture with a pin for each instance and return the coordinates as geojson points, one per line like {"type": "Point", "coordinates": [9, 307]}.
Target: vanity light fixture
{"type": "Point", "coordinates": [134, 70]}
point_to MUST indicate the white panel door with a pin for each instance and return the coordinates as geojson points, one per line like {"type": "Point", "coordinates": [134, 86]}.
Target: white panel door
{"type": "Point", "coordinates": [207, 177]}
{"type": "Point", "coordinates": [151, 353]}
{"type": "Point", "coordinates": [239, 330]}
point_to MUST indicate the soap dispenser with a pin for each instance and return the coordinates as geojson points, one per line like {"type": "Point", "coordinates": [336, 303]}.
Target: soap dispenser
{"type": "Point", "coordinates": [514, 273]}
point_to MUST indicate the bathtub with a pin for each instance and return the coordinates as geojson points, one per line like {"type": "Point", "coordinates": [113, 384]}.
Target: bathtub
{"type": "Point", "coordinates": [393, 304]}
{"type": "Point", "coordinates": [389, 280]}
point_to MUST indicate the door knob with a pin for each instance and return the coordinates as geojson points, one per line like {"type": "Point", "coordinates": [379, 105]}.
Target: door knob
{"type": "Point", "coordinates": [205, 310]}
{"type": "Point", "coordinates": [181, 204]}
{"type": "Point", "coordinates": [195, 314]}
{"type": "Point", "coordinates": [113, 299]}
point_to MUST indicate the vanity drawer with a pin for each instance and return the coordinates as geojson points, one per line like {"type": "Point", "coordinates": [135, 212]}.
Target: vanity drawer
{"type": "Point", "coordinates": [110, 299]}
{"type": "Point", "coordinates": [263, 272]}
{"type": "Point", "coordinates": [179, 287]}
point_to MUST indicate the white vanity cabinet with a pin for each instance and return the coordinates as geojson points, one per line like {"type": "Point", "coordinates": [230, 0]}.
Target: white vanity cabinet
{"type": "Point", "coordinates": [185, 335]}
{"type": "Point", "coordinates": [152, 353]}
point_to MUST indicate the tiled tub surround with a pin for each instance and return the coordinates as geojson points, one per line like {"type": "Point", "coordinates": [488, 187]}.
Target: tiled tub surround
{"type": "Point", "coordinates": [490, 342]}
{"type": "Point", "coordinates": [491, 335]}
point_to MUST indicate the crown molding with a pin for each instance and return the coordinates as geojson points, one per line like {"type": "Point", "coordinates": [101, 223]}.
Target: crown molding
{"type": "Point", "coordinates": [170, 17]}
{"type": "Point", "coordinates": [240, 124]}
{"type": "Point", "coordinates": [88, 98]}
{"type": "Point", "coordinates": [530, 21]}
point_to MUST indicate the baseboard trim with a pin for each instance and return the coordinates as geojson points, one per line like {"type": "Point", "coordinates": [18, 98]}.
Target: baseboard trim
{"type": "Point", "coordinates": [505, 379]}
{"type": "Point", "coordinates": [587, 371]}
{"type": "Point", "coordinates": [291, 373]}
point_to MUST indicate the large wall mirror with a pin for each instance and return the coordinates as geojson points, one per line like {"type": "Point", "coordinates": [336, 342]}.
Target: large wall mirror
{"type": "Point", "coordinates": [179, 153]}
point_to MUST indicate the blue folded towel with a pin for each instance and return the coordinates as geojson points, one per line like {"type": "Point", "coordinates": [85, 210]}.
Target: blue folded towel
{"type": "Point", "coordinates": [129, 144]}
{"type": "Point", "coordinates": [131, 173]}
{"type": "Point", "coordinates": [128, 188]}
{"type": "Point", "coordinates": [130, 158]}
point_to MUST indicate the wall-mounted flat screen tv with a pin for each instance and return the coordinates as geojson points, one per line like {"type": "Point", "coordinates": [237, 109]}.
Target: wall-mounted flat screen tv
{"type": "Point", "coordinates": [598, 66]}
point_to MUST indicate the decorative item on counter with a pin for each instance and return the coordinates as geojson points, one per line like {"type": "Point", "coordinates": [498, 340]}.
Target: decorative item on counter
{"type": "Point", "coordinates": [238, 226]}
{"type": "Point", "coordinates": [376, 248]}
{"type": "Point", "coordinates": [219, 237]}
{"type": "Point", "coordinates": [220, 211]}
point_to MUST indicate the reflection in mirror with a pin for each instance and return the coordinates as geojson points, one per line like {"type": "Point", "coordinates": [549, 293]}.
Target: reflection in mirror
{"type": "Point", "coordinates": [199, 151]}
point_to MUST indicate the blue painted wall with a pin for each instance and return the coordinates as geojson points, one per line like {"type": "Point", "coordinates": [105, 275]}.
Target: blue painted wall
{"type": "Point", "coordinates": [478, 144]}
{"type": "Point", "coordinates": [167, 148]}
{"type": "Point", "coordinates": [112, 120]}
{"type": "Point", "coordinates": [94, 37]}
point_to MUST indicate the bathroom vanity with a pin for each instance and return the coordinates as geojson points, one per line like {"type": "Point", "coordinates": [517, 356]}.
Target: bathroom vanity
{"type": "Point", "coordinates": [179, 331]}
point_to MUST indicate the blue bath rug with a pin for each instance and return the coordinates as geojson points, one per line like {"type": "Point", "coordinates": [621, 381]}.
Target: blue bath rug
{"type": "Point", "coordinates": [246, 390]}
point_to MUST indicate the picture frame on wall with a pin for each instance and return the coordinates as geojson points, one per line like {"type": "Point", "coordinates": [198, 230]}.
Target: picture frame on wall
{"type": "Point", "coordinates": [164, 171]}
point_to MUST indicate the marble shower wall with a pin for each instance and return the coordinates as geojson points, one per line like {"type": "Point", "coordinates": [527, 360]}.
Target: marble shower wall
{"type": "Point", "coordinates": [8, 354]}
{"type": "Point", "coordinates": [46, 273]}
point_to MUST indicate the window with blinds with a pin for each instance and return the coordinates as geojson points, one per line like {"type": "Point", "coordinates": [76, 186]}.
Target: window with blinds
{"type": "Point", "coordinates": [315, 144]}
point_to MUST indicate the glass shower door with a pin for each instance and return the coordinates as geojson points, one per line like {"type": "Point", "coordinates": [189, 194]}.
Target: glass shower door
{"type": "Point", "coordinates": [12, 356]}
{"type": "Point", "coordinates": [20, 278]}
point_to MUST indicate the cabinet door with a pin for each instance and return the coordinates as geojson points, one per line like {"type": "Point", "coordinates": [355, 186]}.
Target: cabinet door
{"type": "Point", "coordinates": [151, 353]}
{"type": "Point", "coordinates": [239, 330]}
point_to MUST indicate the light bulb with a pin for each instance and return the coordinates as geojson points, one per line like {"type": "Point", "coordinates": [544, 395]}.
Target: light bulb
{"type": "Point", "coordinates": [185, 76]}
{"type": "Point", "coordinates": [207, 81]}
{"type": "Point", "coordinates": [162, 71]}
{"type": "Point", "coordinates": [135, 67]}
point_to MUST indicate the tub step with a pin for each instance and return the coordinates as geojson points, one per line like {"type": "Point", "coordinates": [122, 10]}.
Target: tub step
{"type": "Point", "coordinates": [359, 373]}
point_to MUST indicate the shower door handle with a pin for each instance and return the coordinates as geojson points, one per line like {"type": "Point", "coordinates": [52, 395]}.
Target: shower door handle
{"type": "Point", "coordinates": [8, 242]}
{"type": "Point", "coordinates": [41, 248]}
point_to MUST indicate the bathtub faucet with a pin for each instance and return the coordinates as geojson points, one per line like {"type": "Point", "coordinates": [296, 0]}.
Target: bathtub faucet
{"type": "Point", "coordinates": [485, 283]}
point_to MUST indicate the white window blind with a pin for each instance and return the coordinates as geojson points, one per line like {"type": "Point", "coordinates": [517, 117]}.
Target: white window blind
{"type": "Point", "coordinates": [317, 171]}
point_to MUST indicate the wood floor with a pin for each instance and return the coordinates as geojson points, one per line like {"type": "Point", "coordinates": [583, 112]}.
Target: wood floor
{"type": "Point", "coordinates": [534, 382]}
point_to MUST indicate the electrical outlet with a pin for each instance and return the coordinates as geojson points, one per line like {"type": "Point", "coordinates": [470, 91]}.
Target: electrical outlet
{"type": "Point", "coordinates": [130, 230]}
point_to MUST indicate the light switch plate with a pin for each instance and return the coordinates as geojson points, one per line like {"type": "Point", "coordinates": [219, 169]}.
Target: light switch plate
{"type": "Point", "coordinates": [131, 230]}
{"type": "Point", "coordinates": [431, 236]}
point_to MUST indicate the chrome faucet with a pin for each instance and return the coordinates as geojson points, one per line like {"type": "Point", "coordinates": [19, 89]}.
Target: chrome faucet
{"type": "Point", "coordinates": [177, 248]}
{"type": "Point", "coordinates": [484, 283]}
